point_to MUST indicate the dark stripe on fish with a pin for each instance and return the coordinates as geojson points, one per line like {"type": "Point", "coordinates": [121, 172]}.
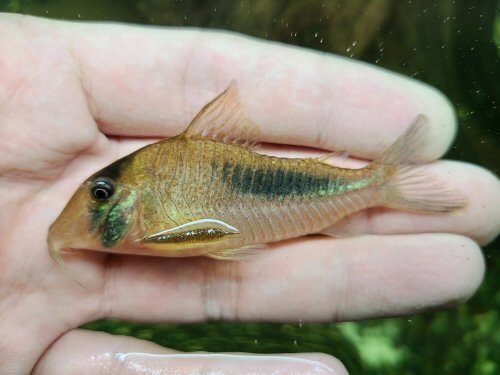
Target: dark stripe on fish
{"type": "Point", "coordinates": [244, 186]}
{"type": "Point", "coordinates": [236, 174]}
{"type": "Point", "coordinates": [270, 183]}
{"type": "Point", "coordinates": [225, 171]}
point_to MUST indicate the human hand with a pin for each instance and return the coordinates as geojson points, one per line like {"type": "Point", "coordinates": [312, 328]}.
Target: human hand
{"type": "Point", "coordinates": [74, 97]}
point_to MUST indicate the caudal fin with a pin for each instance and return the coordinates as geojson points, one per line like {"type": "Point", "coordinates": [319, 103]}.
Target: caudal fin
{"type": "Point", "coordinates": [408, 186]}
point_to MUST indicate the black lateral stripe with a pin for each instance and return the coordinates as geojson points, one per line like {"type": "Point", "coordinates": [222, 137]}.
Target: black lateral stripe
{"type": "Point", "coordinates": [324, 183]}
{"type": "Point", "coordinates": [290, 187]}
{"type": "Point", "coordinates": [270, 182]}
{"type": "Point", "coordinates": [236, 178]}
{"type": "Point", "coordinates": [302, 185]}
{"type": "Point", "coordinates": [278, 182]}
{"type": "Point", "coordinates": [225, 171]}
{"type": "Point", "coordinates": [257, 183]}
{"type": "Point", "coordinates": [246, 182]}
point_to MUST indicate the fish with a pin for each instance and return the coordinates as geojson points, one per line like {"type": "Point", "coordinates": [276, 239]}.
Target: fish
{"type": "Point", "coordinates": [208, 192]}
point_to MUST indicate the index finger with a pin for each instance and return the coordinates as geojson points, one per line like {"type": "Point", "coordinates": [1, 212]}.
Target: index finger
{"type": "Point", "coordinates": [144, 81]}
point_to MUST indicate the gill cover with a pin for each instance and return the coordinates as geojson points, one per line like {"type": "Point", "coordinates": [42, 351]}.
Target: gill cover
{"type": "Point", "coordinates": [113, 220]}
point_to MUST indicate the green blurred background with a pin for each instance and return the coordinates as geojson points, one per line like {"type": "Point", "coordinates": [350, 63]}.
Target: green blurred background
{"type": "Point", "coordinates": [453, 45]}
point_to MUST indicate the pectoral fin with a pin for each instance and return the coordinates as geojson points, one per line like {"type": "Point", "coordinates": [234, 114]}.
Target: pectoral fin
{"type": "Point", "coordinates": [194, 232]}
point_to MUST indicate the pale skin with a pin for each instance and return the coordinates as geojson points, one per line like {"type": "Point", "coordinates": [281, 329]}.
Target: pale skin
{"type": "Point", "coordinates": [74, 97]}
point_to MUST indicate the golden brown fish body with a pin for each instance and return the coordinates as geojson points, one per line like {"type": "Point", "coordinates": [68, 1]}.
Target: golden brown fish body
{"type": "Point", "coordinates": [204, 193]}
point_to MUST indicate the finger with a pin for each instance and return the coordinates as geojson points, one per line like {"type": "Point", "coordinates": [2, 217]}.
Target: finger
{"type": "Point", "coordinates": [298, 96]}
{"type": "Point", "coordinates": [314, 279]}
{"type": "Point", "coordinates": [100, 353]}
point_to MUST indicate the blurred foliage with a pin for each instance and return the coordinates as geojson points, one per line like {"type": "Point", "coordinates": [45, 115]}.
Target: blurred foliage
{"type": "Point", "coordinates": [453, 45]}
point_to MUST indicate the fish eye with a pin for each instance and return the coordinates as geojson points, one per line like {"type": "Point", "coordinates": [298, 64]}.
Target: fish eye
{"type": "Point", "coordinates": [102, 188]}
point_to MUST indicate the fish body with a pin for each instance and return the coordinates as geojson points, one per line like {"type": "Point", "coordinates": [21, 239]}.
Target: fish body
{"type": "Point", "coordinates": [204, 192]}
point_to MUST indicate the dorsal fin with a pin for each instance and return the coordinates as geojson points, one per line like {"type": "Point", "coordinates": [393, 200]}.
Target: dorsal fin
{"type": "Point", "coordinates": [224, 119]}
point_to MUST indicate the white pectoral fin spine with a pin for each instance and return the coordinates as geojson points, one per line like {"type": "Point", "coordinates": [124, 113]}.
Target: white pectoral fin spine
{"type": "Point", "coordinates": [200, 223]}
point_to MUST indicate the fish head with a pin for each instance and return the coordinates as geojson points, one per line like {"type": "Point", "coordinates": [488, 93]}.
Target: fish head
{"type": "Point", "coordinates": [99, 216]}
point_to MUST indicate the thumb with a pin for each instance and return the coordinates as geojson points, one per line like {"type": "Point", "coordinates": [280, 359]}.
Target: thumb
{"type": "Point", "coordinates": [87, 352]}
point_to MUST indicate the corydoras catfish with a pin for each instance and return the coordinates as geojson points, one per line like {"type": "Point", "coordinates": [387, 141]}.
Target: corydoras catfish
{"type": "Point", "coordinates": [205, 192]}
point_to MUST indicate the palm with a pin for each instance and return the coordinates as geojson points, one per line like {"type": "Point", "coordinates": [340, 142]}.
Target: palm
{"type": "Point", "coordinates": [39, 171]}
{"type": "Point", "coordinates": [53, 119]}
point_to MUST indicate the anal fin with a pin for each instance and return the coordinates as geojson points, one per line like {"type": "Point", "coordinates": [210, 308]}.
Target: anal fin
{"type": "Point", "coordinates": [330, 155]}
{"type": "Point", "coordinates": [342, 228]}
